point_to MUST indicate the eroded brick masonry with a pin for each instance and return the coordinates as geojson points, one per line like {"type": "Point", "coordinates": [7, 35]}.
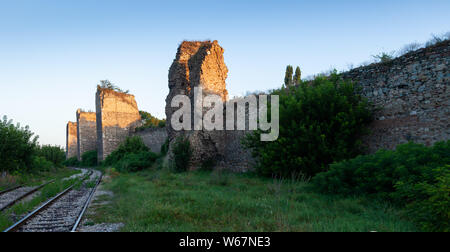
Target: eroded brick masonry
{"type": "Point", "coordinates": [71, 140]}
{"type": "Point", "coordinates": [117, 118]}
{"type": "Point", "coordinates": [86, 132]}
{"type": "Point", "coordinates": [411, 97]}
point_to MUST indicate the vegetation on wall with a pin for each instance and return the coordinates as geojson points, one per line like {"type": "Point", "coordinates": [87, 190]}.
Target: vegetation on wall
{"type": "Point", "coordinates": [321, 122]}
{"type": "Point", "coordinates": [413, 176]}
{"type": "Point", "coordinates": [150, 121]}
{"type": "Point", "coordinates": [106, 84]}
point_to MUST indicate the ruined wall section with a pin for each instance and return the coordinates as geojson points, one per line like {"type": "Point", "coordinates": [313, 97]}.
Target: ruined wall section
{"type": "Point", "coordinates": [86, 132]}
{"type": "Point", "coordinates": [154, 138]}
{"type": "Point", "coordinates": [117, 118]}
{"type": "Point", "coordinates": [201, 64]}
{"type": "Point", "coordinates": [411, 97]}
{"type": "Point", "coordinates": [197, 64]}
{"type": "Point", "coordinates": [71, 140]}
{"type": "Point", "coordinates": [179, 82]}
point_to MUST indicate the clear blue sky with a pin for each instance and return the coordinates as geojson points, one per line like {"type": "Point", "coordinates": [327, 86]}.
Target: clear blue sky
{"type": "Point", "coordinates": [53, 53]}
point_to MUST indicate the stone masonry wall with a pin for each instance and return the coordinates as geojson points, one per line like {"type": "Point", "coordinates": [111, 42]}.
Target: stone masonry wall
{"type": "Point", "coordinates": [153, 138]}
{"type": "Point", "coordinates": [201, 64]}
{"type": "Point", "coordinates": [86, 132]}
{"type": "Point", "coordinates": [71, 140]}
{"type": "Point", "coordinates": [117, 118]}
{"type": "Point", "coordinates": [411, 95]}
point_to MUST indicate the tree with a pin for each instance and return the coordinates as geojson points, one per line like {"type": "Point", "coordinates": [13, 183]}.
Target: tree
{"type": "Point", "coordinates": [106, 84]}
{"type": "Point", "coordinates": [17, 147]}
{"type": "Point", "coordinates": [297, 76]}
{"type": "Point", "coordinates": [150, 121]}
{"type": "Point", "coordinates": [288, 81]}
{"type": "Point", "coordinates": [320, 122]}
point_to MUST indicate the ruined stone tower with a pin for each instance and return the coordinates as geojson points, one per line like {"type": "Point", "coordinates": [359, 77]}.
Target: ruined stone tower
{"type": "Point", "coordinates": [117, 117]}
{"type": "Point", "coordinates": [86, 132]}
{"type": "Point", "coordinates": [71, 140]}
{"type": "Point", "coordinates": [198, 64]}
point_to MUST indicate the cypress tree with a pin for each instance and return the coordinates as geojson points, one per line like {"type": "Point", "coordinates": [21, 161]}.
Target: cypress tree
{"type": "Point", "coordinates": [297, 76]}
{"type": "Point", "coordinates": [288, 81]}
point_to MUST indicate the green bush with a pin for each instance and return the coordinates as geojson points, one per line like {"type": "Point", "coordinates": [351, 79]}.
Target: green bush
{"type": "Point", "coordinates": [165, 147]}
{"type": "Point", "coordinates": [133, 162]}
{"type": "Point", "coordinates": [131, 145]}
{"type": "Point", "coordinates": [208, 165]}
{"type": "Point", "coordinates": [131, 156]}
{"type": "Point", "coordinates": [17, 147]}
{"type": "Point", "coordinates": [149, 121]}
{"type": "Point", "coordinates": [72, 162]}
{"type": "Point", "coordinates": [41, 164]}
{"type": "Point", "coordinates": [89, 159]}
{"type": "Point", "coordinates": [428, 202]}
{"type": "Point", "coordinates": [412, 176]}
{"type": "Point", "coordinates": [321, 122]}
{"type": "Point", "coordinates": [54, 154]}
{"type": "Point", "coordinates": [181, 154]}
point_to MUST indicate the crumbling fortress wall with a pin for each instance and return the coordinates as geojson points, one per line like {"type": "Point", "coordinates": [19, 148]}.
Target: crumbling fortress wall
{"type": "Point", "coordinates": [86, 132]}
{"type": "Point", "coordinates": [117, 118]}
{"type": "Point", "coordinates": [71, 140]}
{"type": "Point", "coordinates": [411, 97]}
{"type": "Point", "coordinates": [153, 138]}
{"type": "Point", "coordinates": [201, 65]}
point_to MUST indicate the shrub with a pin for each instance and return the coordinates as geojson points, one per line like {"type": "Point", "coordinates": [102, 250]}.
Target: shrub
{"type": "Point", "coordinates": [181, 154]}
{"type": "Point", "coordinates": [134, 162]}
{"type": "Point", "coordinates": [89, 159]}
{"type": "Point", "coordinates": [208, 165]}
{"type": "Point", "coordinates": [72, 162]}
{"type": "Point", "coordinates": [220, 178]}
{"type": "Point", "coordinates": [54, 154]}
{"type": "Point", "coordinates": [384, 57]}
{"type": "Point", "coordinates": [41, 164]}
{"type": "Point", "coordinates": [131, 145]}
{"type": "Point", "coordinates": [320, 122]}
{"type": "Point", "coordinates": [428, 202]}
{"type": "Point", "coordinates": [412, 176]}
{"type": "Point", "coordinates": [17, 147]}
{"type": "Point", "coordinates": [149, 121]}
{"type": "Point", "coordinates": [165, 147]}
{"type": "Point", "coordinates": [131, 156]}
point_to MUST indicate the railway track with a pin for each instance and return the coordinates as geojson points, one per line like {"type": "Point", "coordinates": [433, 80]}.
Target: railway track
{"type": "Point", "coordinates": [62, 213]}
{"type": "Point", "coordinates": [10, 189]}
{"type": "Point", "coordinates": [13, 195]}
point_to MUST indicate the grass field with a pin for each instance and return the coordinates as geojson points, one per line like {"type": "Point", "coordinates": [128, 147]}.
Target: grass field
{"type": "Point", "coordinates": [158, 200]}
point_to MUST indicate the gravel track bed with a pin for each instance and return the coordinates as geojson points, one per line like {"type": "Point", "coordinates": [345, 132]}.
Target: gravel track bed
{"type": "Point", "coordinates": [8, 197]}
{"type": "Point", "coordinates": [63, 213]}
{"type": "Point", "coordinates": [87, 226]}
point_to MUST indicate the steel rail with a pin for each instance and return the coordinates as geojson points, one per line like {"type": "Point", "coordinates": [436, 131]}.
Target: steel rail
{"type": "Point", "coordinates": [86, 205]}
{"type": "Point", "coordinates": [44, 206]}
{"type": "Point", "coordinates": [25, 195]}
{"type": "Point", "coordinates": [10, 189]}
